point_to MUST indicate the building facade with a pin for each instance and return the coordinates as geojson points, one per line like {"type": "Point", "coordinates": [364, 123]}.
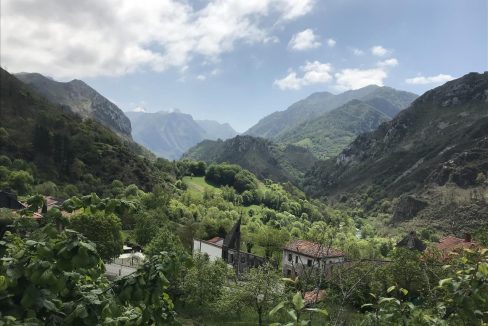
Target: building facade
{"type": "Point", "coordinates": [228, 249]}
{"type": "Point", "coordinates": [301, 256]}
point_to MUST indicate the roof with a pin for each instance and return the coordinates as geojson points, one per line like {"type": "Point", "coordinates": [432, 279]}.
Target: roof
{"type": "Point", "coordinates": [51, 201]}
{"type": "Point", "coordinates": [411, 241]}
{"type": "Point", "coordinates": [451, 243]}
{"type": "Point", "coordinates": [312, 249]}
{"type": "Point", "coordinates": [217, 241]}
{"type": "Point", "coordinates": [313, 296]}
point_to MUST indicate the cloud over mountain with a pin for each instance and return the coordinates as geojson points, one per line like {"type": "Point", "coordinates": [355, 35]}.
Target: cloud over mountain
{"type": "Point", "coordinates": [114, 37]}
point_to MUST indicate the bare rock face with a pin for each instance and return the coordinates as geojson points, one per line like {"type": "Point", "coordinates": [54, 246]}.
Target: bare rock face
{"type": "Point", "coordinates": [407, 207]}
{"type": "Point", "coordinates": [81, 99]}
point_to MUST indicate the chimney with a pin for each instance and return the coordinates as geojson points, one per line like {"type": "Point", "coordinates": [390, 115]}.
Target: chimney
{"type": "Point", "coordinates": [467, 237]}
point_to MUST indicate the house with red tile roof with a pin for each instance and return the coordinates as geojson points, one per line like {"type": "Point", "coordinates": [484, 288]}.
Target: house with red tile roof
{"type": "Point", "coordinates": [451, 244]}
{"type": "Point", "coordinates": [302, 255]}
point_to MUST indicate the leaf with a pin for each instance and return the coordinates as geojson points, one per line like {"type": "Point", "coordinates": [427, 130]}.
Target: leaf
{"type": "Point", "coordinates": [445, 281]}
{"type": "Point", "coordinates": [404, 291]}
{"type": "Point", "coordinates": [367, 305]}
{"type": "Point", "coordinates": [391, 288]}
{"type": "Point", "coordinates": [292, 314]}
{"type": "Point", "coordinates": [298, 301]}
{"type": "Point", "coordinates": [321, 311]}
{"type": "Point", "coordinates": [278, 307]}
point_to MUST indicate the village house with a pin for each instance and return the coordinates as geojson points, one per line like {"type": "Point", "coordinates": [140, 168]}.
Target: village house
{"type": "Point", "coordinates": [299, 255]}
{"type": "Point", "coordinates": [228, 249]}
{"type": "Point", "coordinates": [452, 244]}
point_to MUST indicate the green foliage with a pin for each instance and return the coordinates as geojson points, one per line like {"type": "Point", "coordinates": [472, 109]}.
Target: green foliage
{"type": "Point", "coordinates": [295, 309]}
{"type": "Point", "coordinates": [101, 228]}
{"type": "Point", "coordinates": [203, 283]}
{"type": "Point", "coordinates": [53, 278]}
{"type": "Point", "coordinates": [21, 181]}
{"type": "Point", "coordinates": [260, 289]}
{"type": "Point", "coordinates": [165, 240]}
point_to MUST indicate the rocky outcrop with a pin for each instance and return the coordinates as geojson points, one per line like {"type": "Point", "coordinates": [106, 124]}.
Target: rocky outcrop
{"type": "Point", "coordinates": [407, 207]}
{"type": "Point", "coordinates": [81, 99]}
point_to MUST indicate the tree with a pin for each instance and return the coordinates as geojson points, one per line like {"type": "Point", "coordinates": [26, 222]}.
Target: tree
{"type": "Point", "coordinates": [21, 181]}
{"type": "Point", "coordinates": [261, 290]}
{"type": "Point", "coordinates": [57, 278]}
{"type": "Point", "coordinates": [103, 229]}
{"type": "Point", "coordinates": [165, 240]}
{"type": "Point", "coordinates": [203, 282]}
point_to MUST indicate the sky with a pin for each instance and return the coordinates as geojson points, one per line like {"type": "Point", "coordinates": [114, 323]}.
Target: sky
{"type": "Point", "coordinates": [237, 61]}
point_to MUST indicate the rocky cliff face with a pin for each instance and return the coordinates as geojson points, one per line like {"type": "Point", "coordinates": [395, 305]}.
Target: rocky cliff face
{"type": "Point", "coordinates": [430, 161]}
{"type": "Point", "coordinates": [81, 99]}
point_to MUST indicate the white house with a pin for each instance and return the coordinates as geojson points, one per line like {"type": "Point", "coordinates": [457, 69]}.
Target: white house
{"type": "Point", "coordinates": [300, 255]}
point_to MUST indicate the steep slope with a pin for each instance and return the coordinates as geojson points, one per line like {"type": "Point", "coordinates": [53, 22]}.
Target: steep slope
{"type": "Point", "coordinates": [435, 150]}
{"type": "Point", "coordinates": [331, 132]}
{"type": "Point", "coordinates": [62, 146]}
{"type": "Point", "coordinates": [260, 156]}
{"type": "Point", "coordinates": [215, 130]}
{"type": "Point", "coordinates": [170, 134]}
{"type": "Point", "coordinates": [80, 99]}
{"type": "Point", "coordinates": [278, 123]}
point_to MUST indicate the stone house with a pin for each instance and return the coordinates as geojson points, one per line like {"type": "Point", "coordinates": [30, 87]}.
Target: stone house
{"type": "Point", "coordinates": [300, 255]}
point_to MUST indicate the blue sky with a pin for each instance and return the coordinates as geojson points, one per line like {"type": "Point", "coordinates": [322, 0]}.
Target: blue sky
{"type": "Point", "coordinates": [236, 61]}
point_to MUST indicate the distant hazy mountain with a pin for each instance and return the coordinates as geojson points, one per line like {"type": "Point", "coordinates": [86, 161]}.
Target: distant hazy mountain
{"type": "Point", "coordinates": [437, 150]}
{"type": "Point", "coordinates": [264, 158]}
{"type": "Point", "coordinates": [385, 99]}
{"type": "Point", "coordinates": [81, 99]}
{"type": "Point", "coordinates": [215, 130]}
{"type": "Point", "coordinates": [170, 134]}
{"type": "Point", "coordinates": [331, 132]}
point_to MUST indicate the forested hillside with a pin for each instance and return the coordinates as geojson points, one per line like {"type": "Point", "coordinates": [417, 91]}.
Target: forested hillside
{"type": "Point", "coordinates": [437, 149]}
{"type": "Point", "coordinates": [331, 132]}
{"type": "Point", "coordinates": [60, 146]}
{"type": "Point", "coordinates": [264, 158]}
{"type": "Point", "coordinates": [387, 100]}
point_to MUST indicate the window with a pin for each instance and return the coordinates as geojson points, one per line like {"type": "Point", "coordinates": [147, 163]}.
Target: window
{"type": "Point", "coordinates": [288, 272]}
{"type": "Point", "coordinates": [231, 258]}
{"type": "Point", "coordinates": [296, 259]}
{"type": "Point", "coordinates": [309, 262]}
{"type": "Point", "coordinates": [290, 257]}
{"type": "Point", "coordinates": [243, 259]}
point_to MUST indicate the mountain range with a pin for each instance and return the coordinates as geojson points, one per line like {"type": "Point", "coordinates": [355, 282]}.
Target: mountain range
{"type": "Point", "coordinates": [326, 123]}
{"type": "Point", "coordinates": [385, 99]}
{"type": "Point", "coordinates": [262, 157]}
{"type": "Point", "coordinates": [436, 151]}
{"type": "Point", "coordinates": [170, 134]}
{"type": "Point", "coordinates": [79, 98]}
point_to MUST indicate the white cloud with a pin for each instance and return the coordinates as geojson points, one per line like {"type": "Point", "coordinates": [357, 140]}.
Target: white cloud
{"type": "Point", "coordinates": [356, 78]}
{"type": "Point", "coordinates": [380, 51]}
{"type": "Point", "coordinates": [291, 81]}
{"type": "Point", "coordinates": [331, 42]}
{"type": "Point", "coordinates": [313, 73]}
{"type": "Point", "coordinates": [201, 77]}
{"type": "Point", "coordinates": [304, 40]}
{"type": "Point", "coordinates": [392, 62]}
{"type": "Point", "coordinates": [139, 109]}
{"type": "Point", "coordinates": [422, 80]}
{"type": "Point", "coordinates": [357, 52]}
{"type": "Point", "coordinates": [89, 38]}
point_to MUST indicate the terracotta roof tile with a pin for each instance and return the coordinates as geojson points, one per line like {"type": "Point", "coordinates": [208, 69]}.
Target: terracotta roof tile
{"type": "Point", "coordinates": [313, 296]}
{"type": "Point", "coordinates": [451, 243]}
{"type": "Point", "coordinates": [312, 249]}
